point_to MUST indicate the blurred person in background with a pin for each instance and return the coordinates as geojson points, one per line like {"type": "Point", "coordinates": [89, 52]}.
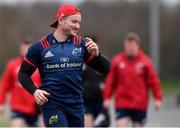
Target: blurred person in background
{"type": "Point", "coordinates": [59, 57]}
{"type": "Point", "coordinates": [131, 76]}
{"type": "Point", "coordinates": [93, 84]}
{"type": "Point", "coordinates": [24, 111]}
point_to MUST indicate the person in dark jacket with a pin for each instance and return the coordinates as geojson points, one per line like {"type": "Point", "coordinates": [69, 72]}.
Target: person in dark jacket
{"type": "Point", "coordinates": [93, 83]}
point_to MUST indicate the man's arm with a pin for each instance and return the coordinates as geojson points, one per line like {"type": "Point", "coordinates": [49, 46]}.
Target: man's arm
{"type": "Point", "coordinates": [7, 82]}
{"type": "Point", "coordinates": [94, 59]}
{"type": "Point", "coordinates": [24, 77]}
{"type": "Point", "coordinates": [110, 83]}
{"type": "Point", "coordinates": [6, 85]}
{"type": "Point", "coordinates": [155, 85]}
{"type": "Point", "coordinates": [100, 64]}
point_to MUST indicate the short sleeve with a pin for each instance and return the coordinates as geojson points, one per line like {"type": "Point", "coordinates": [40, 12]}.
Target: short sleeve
{"type": "Point", "coordinates": [33, 56]}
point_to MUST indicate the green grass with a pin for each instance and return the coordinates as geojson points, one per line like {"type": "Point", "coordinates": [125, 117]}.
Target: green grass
{"type": "Point", "coordinates": [171, 87]}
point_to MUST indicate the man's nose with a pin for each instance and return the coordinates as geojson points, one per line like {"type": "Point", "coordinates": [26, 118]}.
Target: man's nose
{"type": "Point", "coordinates": [77, 26]}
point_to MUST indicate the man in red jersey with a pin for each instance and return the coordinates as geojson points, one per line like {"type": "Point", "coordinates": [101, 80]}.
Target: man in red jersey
{"type": "Point", "coordinates": [23, 106]}
{"type": "Point", "coordinates": [130, 78]}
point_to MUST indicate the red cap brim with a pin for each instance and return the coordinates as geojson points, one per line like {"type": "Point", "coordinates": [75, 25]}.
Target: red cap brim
{"type": "Point", "coordinates": [54, 24]}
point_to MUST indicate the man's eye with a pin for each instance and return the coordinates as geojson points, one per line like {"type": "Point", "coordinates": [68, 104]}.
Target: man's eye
{"type": "Point", "coordinates": [74, 21]}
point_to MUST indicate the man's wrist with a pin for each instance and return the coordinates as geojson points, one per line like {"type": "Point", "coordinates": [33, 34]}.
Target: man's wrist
{"type": "Point", "coordinates": [35, 91]}
{"type": "Point", "coordinates": [99, 54]}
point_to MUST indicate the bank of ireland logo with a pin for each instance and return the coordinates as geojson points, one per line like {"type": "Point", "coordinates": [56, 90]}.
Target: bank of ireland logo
{"type": "Point", "coordinates": [76, 52]}
{"type": "Point", "coordinates": [53, 119]}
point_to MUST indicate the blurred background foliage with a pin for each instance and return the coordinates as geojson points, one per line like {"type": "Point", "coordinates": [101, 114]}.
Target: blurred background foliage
{"type": "Point", "coordinates": [109, 21]}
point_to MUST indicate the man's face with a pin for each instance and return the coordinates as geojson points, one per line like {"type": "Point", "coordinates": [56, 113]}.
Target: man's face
{"type": "Point", "coordinates": [71, 24]}
{"type": "Point", "coordinates": [23, 49]}
{"type": "Point", "coordinates": [131, 47]}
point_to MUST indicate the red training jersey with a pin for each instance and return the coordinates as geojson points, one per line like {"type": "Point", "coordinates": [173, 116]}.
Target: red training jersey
{"type": "Point", "coordinates": [130, 80]}
{"type": "Point", "coordinates": [20, 99]}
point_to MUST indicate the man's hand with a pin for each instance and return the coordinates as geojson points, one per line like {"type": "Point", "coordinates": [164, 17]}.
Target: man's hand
{"type": "Point", "coordinates": [92, 47]}
{"type": "Point", "coordinates": [40, 96]}
{"type": "Point", "coordinates": [158, 104]}
{"type": "Point", "coordinates": [2, 109]}
{"type": "Point", "coordinates": [106, 104]}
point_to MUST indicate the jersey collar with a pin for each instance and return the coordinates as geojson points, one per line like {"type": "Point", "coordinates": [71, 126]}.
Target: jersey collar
{"type": "Point", "coordinates": [52, 40]}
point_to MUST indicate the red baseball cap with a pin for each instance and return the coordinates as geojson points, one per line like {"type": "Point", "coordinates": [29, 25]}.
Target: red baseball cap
{"type": "Point", "coordinates": [63, 11]}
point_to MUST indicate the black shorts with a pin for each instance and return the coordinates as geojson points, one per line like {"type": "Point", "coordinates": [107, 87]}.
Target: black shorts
{"type": "Point", "coordinates": [93, 108]}
{"type": "Point", "coordinates": [135, 115]}
{"type": "Point", "coordinates": [31, 120]}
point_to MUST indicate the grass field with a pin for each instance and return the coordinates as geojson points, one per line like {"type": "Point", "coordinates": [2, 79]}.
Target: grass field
{"type": "Point", "coordinates": [171, 87]}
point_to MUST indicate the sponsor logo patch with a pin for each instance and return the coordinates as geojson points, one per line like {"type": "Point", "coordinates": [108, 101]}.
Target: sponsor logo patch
{"type": "Point", "coordinates": [76, 52]}
{"type": "Point", "coordinates": [53, 119]}
{"type": "Point", "coordinates": [48, 54]}
{"type": "Point", "coordinates": [64, 59]}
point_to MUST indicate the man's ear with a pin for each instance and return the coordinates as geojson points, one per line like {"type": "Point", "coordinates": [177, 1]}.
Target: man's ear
{"type": "Point", "coordinates": [60, 21]}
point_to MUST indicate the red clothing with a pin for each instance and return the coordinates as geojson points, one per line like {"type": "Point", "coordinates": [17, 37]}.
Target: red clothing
{"type": "Point", "coordinates": [130, 80]}
{"type": "Point", "coordinates": [20, 99]}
